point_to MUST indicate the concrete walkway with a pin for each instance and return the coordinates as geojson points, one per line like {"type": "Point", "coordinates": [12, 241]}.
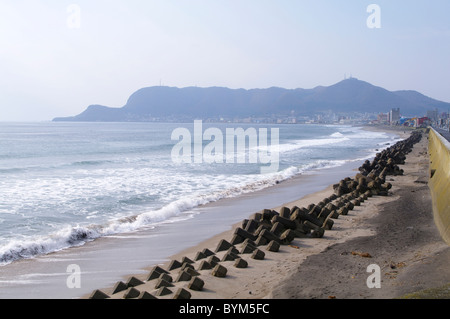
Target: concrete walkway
{"type": "Point", "coordinates": [444, 133]}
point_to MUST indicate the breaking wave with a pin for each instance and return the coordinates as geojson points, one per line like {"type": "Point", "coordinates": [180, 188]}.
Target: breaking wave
{"type": "Point", "coordinates": [70, 236]}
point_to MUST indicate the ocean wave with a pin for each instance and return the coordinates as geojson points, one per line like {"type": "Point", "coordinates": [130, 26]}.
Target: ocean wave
{"type": "Point", "coordinates": [312, 143]}
{"type": "Point", "coordinates": [337, 134]}
{"type": "Point", "coordinates": [49, 166]}
{"type": "Point", "coordinates": [180, 209]}
{"type": "Point", "coordinates": [393, 141]}
{"type": "Point", "coordinates": [75, 165]}
{"type": "Point", "coordinates": [308, 143]}
{"type": "Point", "coordinates": [11, 170]}
{"type": "Point", "coordinates": [323, 164]}
{"type": "Point", "coordinates": [91, 163]}
{"type": "Point", "coordinates": [360, 133]}
{"type": "Point", "coordinates": [40, 245]}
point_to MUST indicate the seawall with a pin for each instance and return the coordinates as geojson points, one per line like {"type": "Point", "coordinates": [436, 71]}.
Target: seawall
{"type": "Point", "coordinates": [439, 150]}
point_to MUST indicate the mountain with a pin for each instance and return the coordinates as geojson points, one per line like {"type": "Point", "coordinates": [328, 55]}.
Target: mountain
{"type": "Point", "coordinates": [348, 96]}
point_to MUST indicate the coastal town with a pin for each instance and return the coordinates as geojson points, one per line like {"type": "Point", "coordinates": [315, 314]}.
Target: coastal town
{"type": "Point", "coordinates": [394, 117]}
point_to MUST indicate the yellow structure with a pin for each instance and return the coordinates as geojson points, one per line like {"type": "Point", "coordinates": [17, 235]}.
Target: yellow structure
{"type": "Point", "coordinates": [439, 150]}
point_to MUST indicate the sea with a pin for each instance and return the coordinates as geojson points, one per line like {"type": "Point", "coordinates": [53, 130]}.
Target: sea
{"type": "Point", "coordinates": [64, 185]}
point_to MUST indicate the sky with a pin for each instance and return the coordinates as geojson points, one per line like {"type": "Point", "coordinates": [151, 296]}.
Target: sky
{"type": "Point", "coordinates": [57, 57]}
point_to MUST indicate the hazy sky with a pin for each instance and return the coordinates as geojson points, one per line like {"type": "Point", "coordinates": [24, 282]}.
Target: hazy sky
{"type": "Point", "coordinates": [56, 60]}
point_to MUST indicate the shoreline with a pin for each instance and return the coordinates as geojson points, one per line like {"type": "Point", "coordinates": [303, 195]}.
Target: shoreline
{"type": "Point", "coordinates": [265, 277]}
{"type": "Point", "coordinates": [102, 261]}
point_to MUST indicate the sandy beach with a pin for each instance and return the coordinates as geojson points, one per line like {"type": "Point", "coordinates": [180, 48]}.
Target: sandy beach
{"type": "Point", "coordinates": [394, 232]}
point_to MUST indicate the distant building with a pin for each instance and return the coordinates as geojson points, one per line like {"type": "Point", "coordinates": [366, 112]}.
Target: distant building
{"type": "Point", "coordinates": [433, 115]}
{"type": "Point", "coordinates": [383, 118]}
{"type": "Point", "coordinates": [394, 116]}
{"type": "Point", "coordinates": [422, 121]}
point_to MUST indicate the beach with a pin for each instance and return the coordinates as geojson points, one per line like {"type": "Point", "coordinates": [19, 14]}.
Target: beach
{"type": "Point", "coordinates": [394, 232]}
{"type": "Point", "coordinates": [40, 268]}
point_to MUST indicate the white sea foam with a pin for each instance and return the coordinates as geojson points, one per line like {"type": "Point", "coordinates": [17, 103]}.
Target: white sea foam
{"type": "Point", "coordinates": [307, 143]}
{"type": "Point", "coordinates": [337, 134]}
{"type": "Point", "coordinates": [181, 209]}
